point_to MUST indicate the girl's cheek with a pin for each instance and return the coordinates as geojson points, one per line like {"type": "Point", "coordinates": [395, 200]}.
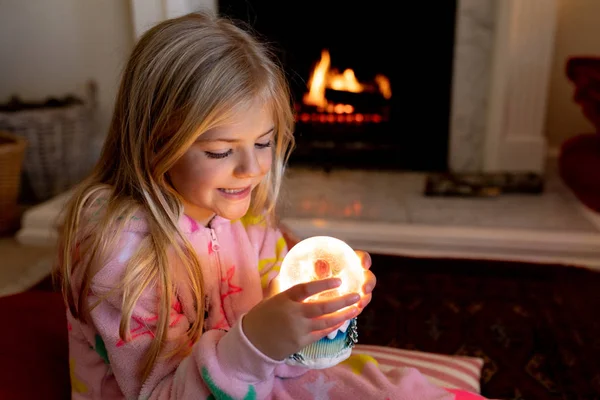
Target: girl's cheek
{"type": "Point", "coordinates": [199, 165]}
{"type": "Point", "coordinates": [265, 162]}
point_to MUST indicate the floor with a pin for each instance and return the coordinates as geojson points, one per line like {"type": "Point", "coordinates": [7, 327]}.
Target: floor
{"type": "Point", "coordinates": [21, 265]}
{"type": "Point", "coordinates": [381, 212]}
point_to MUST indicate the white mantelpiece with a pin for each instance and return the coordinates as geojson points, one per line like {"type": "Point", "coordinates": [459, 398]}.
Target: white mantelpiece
{"type": "Point", "coordinates": [503, 55]}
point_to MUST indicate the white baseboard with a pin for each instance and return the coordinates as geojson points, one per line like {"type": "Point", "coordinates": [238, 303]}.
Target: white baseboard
{"type": "Point", "coordinates": [37, 237]}
{"type": "Point", "coordinates": [28, 277]}
{"type": "Point", "coordinates": [577, 249]}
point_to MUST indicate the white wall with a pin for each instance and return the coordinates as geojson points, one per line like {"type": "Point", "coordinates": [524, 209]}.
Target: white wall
{"type": "Point", "coordinates": [146, 13]}
{"type": "Point", "coordinates": [578, 33]}
{"type": "Point", "coordinates": [53, 47]}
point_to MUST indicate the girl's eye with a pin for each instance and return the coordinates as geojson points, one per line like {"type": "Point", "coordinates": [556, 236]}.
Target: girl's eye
{"type": "Point", "coordinates": [213, 155]}
{"type": "Point", "coordinates": [210, 154]}
{"type": "Point", "coordinates": [263, 145]}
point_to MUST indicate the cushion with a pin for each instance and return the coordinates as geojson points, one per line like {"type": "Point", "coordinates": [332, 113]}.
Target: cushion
{"type": "Point", "coordinates": [448, 371]}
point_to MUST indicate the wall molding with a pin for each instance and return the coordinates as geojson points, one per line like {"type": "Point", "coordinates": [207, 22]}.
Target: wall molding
{"type": "Point", "coordinates": [521, 65]}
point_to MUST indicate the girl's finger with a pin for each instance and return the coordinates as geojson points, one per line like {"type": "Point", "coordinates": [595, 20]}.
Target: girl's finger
{"type": "Point", "coordinates": [302, 291]}
{"type": "Point", "coordinates": [370, 282]}
{"type": "Point", "coordinates": [331, 320]}
{"type": "Point", "coordinates": [365, 258]}
{"type": "Point", "coordinates": [364, 301]}
{"type": "Point", "coordinates": [324, 307]}
{"type": "Point", "coordinates": [321, 334]}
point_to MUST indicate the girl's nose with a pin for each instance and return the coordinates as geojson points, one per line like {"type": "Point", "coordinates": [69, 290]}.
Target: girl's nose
{"type": "Point", "coordinates": [248, 166]}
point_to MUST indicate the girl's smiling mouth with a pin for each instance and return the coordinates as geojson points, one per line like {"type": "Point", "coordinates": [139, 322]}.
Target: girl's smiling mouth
{"type": "Point", "coordinates": [236, 194]}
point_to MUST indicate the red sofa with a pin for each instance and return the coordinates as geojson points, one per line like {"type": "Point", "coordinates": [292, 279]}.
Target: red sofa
{"type": "Point", "coordinates": [579, 159]}
{"type": "Point", "coordinates": [34, 349]}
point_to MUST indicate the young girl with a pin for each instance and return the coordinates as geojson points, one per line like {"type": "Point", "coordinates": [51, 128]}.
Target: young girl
{"type": "Point", "coordinates": [170, 247]}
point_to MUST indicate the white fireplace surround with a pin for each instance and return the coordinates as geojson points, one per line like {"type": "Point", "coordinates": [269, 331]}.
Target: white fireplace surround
{"type": "Point", "coordinates": [502, 61]}
{"type": "Point", "coordinates": [498, 112]}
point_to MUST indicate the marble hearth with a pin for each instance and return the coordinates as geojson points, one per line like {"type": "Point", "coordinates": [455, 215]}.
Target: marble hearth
{"type": "Point", "coordinates": [386, 212]}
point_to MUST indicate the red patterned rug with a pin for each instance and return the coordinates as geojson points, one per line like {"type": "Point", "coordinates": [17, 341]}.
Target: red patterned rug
{"type": "Point", "coordinates": [536, 326]}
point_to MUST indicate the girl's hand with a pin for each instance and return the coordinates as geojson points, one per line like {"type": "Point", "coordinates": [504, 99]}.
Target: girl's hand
{"type": "Point", "coordinates": [283, 324]}
{"type": "Point", "coordinates": [370, 279]}
{"type": "Point", "coordinates": [368, 286]}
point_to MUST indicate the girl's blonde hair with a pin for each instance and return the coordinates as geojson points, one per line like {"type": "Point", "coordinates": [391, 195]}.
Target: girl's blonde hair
{"type": "Point", "coordinates": [185, 76]}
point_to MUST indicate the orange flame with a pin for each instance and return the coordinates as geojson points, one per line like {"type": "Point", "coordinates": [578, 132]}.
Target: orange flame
{"type": "Point", "coordinates": [323, 77]}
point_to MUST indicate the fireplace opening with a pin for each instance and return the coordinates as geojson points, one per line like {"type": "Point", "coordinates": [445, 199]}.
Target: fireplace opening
{"type": "Point", "coordinates": [371, 85]}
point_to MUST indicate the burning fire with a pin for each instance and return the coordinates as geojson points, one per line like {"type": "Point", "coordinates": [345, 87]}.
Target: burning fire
{"type": "Point", "coordinates": [323, 77]}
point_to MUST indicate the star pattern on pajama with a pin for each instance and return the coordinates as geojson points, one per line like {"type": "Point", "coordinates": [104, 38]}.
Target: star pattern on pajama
{"type": "Point", "coordinates": [140, 329]}
{"type": "Point", "coordinates": [230, 288]}
{"type": "Point", "coordinates": [319, 388]}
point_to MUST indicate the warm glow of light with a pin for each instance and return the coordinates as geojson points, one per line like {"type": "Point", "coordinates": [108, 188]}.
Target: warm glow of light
{"type": "Point", "coordinates": [357, 205]}
{"type": "Point", "coordinates": [321, 257]}
{"type": "Point", "coordinates": [384, 86]}
{"type": "Point", "coordinates": [341, 109]}
{"type": "Point", "coordinates": [319, 223]}
{"type": "Point", "coordinates": [344, 82]}
{"type": "Point", "coordinates": [324, 77]}
{"type": "Point", "coordinates": [318, 82]}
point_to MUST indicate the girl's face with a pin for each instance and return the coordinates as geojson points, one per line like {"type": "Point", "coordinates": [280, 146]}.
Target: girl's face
{"type": "Point", "coordinates": [219, 171]}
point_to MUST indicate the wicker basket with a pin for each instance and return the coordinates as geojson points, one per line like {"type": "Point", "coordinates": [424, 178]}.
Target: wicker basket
{"type": "Point", "coordinates": [12, 153]}
{"type": "Point", "coordinates": [58, 145]}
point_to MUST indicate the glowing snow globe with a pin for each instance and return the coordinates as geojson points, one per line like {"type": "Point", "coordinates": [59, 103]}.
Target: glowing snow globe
{"type": "Point", "coordinates": [316, 258]}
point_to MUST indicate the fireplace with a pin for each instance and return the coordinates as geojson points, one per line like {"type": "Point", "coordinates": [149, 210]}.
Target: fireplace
{"type": "Point", "coordinates": [371, 86]}
{"type": "Point", "coordinates": [502, 58]}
